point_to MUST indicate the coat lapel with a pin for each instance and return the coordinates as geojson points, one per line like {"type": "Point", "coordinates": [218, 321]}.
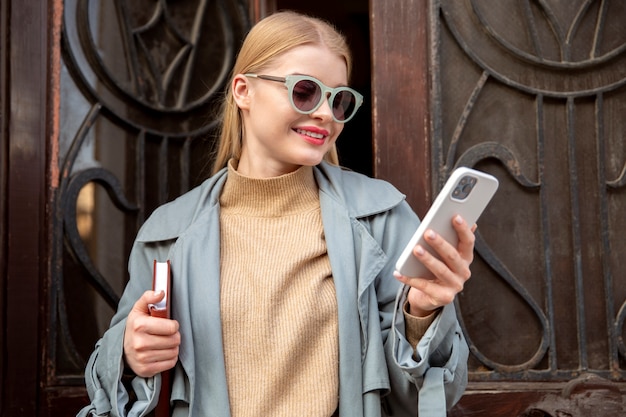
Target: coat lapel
{"type": "Point", "coordinates": [196, 254]}
{"type": "Point", "coordinates": [338, 231]}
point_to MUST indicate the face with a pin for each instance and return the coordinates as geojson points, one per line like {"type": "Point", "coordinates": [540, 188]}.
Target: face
{"type": "Point", "coordinates": [277, 139]}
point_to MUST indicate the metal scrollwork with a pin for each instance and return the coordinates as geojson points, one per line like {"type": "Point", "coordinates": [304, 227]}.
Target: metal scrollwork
{"type": "Point", "coordinates": [146, 78]}
{"type": "Point", "coordinates": [546, 56]}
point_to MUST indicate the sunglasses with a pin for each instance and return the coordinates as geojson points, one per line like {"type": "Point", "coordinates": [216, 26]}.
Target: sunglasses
{"type": "Point", "coordinates": [306, 94]}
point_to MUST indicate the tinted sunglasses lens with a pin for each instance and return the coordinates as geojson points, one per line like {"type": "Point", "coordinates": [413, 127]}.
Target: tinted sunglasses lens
{"type": "Point", "coordinates": [306, 95]}
{"type": "Point", "coordinates": [344, 105]}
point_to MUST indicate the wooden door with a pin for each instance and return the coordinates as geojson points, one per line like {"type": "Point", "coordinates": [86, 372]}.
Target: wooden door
{"type": "Point", "coordinates": [533, 92]}
{"type": "Point", "coordinates": [108, 110]}
{"type": "Point", "coordinates": [24, 124]}
{"type": "Point", "coordinates": [104, 116]}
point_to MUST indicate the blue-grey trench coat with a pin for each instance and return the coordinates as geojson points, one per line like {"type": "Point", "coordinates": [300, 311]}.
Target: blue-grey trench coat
{"type": "Point", "coordinates": [366, 223]}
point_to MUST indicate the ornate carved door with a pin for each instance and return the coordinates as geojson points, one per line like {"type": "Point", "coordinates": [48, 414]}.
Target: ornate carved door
{"type": "Point", "coordinates": [533, 92]}
{"type": "Point", "coordinates": [108, 111]}
{"type": "Point", "coordinates": [139, 89]}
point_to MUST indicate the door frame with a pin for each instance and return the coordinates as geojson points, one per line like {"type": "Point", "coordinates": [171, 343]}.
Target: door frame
{"type": "Point", "coordinates": [25, 67]}
{"type": "Point", "coordinates": [401, 98]}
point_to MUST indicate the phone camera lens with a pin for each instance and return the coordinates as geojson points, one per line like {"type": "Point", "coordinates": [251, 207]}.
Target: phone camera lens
{"type": "Point", "coordinates": [464, 187]}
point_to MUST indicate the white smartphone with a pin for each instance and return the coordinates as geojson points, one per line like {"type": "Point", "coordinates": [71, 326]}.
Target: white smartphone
{"type": "Point", "coordinates": [467, 192]}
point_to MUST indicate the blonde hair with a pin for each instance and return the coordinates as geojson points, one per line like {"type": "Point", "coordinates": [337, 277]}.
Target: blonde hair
{"type": "Point", "coordinates": [266, 41]}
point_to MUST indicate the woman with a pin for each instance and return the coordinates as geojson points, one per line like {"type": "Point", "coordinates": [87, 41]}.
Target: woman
{"type": "Point", "coordinates": [284, 297]}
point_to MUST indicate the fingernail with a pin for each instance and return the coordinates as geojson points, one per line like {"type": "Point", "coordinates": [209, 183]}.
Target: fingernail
{"type": "Point", "coordinates": [420, 250]}
{"type": "Point", "coordinates": [430, 235]}
{"type": "Point", "coordinates": [458, 219]}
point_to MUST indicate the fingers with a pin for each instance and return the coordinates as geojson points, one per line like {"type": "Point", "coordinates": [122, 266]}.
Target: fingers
{"type": "Point", "coordinates": [148, 366]}
{"type": "Point", "coordinates": [141, 308]}
{"type": "Point", "coordinates": [466, 238]}
{"type": "Point", "coordinates": [151, 344]}
{"type": "Point", "coordinates": [456, 260]}
{"type": "Point", "coordinates": [452, 262]}
{"type": "Point", "coordinates": [450, 271]}
{"type": "Point", "coordinates": [149, 297]}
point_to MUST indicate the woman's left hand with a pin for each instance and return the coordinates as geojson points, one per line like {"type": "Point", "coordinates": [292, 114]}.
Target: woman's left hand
{"type": "Point", "coordinates": [451, 272]}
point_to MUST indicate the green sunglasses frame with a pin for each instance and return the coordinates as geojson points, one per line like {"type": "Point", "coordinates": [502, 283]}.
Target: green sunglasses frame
{"type": "Point", "coordinates": [291, 80]}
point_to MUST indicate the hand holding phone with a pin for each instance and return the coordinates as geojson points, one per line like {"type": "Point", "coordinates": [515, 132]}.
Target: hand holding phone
{"type": "Point", "coordinates": [466, 193]}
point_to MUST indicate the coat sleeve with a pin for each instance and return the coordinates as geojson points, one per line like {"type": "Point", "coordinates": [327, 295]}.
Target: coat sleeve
{"type": "Point", "coordinates": [438, 366]}
{"type": "Point", "coordinates": [103, 377]}
{"type": "Point", "coordinates": [437, 373]}
{"type": "Point", "coordinates": [105, 367]}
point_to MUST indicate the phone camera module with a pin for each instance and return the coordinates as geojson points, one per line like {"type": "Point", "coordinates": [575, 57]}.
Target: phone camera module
{"type": "Point", "coordinates": [464, 187]}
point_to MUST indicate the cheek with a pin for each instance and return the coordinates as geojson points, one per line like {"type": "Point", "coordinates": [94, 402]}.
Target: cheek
{"type": "Point", "coordinates": [274, 101]}
{"type": "Point", "coordinates": [337, 132]}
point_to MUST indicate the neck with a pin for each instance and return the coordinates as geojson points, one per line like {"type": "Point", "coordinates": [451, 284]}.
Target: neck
{"type": "Point", "coordinates": [246, 166]}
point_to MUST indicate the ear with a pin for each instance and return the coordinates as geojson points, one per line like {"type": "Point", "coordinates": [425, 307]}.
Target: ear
{"type": "Point", "coordinates": [241, 91]}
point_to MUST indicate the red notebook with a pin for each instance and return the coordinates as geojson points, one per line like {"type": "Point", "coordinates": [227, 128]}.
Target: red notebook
{"type": "Point", "coordinates": [161, 282]}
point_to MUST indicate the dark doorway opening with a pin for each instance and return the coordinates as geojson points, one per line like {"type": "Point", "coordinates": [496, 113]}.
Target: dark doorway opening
{"type": "Point", "coordinates": [352, 19]}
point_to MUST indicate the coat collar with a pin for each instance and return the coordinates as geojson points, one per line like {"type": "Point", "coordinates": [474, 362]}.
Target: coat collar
{"type": "Point", "coordinates": [354, 191]}
{"type": "Point", "coordinates": [350, 190]}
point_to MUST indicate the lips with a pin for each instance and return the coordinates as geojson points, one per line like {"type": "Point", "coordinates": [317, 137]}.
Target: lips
{"type": "Point", "coordinates": [312, 134]}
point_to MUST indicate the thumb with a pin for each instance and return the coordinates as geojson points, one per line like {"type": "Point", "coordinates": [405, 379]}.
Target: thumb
{"type": "Point", "coordinates": [149, 297]}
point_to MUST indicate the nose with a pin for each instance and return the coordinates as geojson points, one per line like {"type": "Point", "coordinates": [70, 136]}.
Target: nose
{"type": "Point", "coordinates": [324, 111]}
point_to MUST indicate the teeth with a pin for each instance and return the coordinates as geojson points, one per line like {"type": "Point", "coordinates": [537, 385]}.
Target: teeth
{"type": "Point", "coordinates": [311, 134]}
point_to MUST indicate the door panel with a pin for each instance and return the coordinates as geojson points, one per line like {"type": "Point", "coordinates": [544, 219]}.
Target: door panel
{"type": "Point", "coordinates": [24, 124]}
{"type": "Point", "coordinates": [530, 92]}
{"type": "Point", "coordinates": [139, 88]}
{"type": "Point", "coordinates": [107, 111]}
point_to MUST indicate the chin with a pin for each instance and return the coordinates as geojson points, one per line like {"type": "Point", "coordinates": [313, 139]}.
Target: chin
{"type": "Point", "coordinates": [311, 161]}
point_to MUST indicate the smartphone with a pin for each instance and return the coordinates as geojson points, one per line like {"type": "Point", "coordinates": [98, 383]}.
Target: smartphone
{"type": "Point", "coordinates": [467, 192]}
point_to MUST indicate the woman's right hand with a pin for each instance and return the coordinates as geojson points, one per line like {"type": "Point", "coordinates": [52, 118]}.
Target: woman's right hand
{"type": "Point", "coordinates": [150, 343]}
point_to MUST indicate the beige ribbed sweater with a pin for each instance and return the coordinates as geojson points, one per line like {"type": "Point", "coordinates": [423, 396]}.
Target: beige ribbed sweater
{"type": "Point", "coordinates": [278, 302]}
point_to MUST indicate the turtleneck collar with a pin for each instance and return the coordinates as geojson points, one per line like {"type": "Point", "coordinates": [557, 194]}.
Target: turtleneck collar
{"type": "Point", "coordinates": [288, 194]}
